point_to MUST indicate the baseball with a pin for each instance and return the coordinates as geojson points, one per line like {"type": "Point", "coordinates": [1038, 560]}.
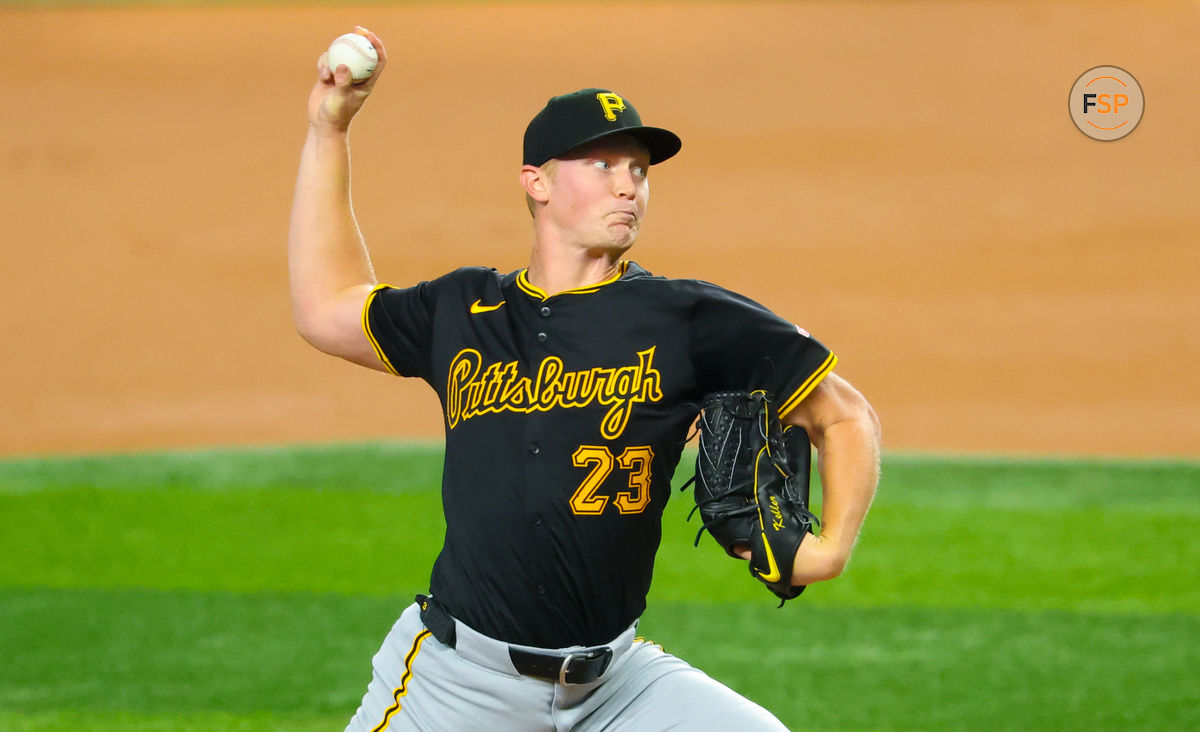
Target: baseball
{"type": "Point", "coordinates": [356, 52]}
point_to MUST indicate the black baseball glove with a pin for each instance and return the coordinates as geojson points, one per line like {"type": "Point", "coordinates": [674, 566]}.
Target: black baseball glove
{"type": "Point", "coordinates": [751, 482]}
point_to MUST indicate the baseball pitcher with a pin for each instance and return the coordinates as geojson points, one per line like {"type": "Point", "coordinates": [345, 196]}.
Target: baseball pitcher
{"type": "Point", "coordinates": [568, 389]}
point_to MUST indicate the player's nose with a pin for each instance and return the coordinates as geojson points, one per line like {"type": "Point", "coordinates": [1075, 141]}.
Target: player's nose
{"type": "Point", "coordinates": [624, 183]}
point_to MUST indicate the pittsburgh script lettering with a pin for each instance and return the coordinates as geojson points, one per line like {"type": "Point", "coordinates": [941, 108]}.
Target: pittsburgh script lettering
{"type": "Point", "coordinates": [472, 389]}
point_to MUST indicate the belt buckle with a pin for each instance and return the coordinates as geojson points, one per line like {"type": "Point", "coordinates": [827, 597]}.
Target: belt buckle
{"type": "Point", "coordinates": [566, 665]}
{"type": "Point", "coordinates": [601, 655]}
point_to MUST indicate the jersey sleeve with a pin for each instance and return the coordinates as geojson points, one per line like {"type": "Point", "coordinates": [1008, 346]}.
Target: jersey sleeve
{"type": "Point", "coordinates": [737, 344]}
{"type": "Point", "coordinates": [399, 324]}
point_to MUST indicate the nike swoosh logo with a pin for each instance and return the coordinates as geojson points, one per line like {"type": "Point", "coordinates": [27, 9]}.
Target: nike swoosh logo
{"type": "Point", "coordinates": [773, 574]}
{"type": "Point", "coordinates": [477, 307]}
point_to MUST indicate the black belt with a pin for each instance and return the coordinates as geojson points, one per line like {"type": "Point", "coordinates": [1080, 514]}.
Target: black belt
{"type": "Point", "coordinates": [577, 667]}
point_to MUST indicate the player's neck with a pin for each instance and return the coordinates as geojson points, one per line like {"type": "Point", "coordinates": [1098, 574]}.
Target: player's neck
{"type": "Point", "coordinates": [555, 271]}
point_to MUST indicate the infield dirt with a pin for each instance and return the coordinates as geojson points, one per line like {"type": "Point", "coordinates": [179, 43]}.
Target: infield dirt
{"type": "Point", "coordinates": [901, 179]}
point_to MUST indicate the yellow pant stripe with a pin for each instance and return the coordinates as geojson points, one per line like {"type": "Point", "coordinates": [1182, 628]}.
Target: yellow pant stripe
{"type": "Point", "coordinates": [403, 688]}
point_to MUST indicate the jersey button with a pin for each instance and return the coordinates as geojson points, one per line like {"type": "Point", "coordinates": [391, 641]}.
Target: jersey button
{"type": "Point", "coordinates": [541, 589]}
{"type": "Point", "coordinates": [542, 337]}
{"type": "Point", "coordinates": [545, 311]}
{"type": "Point", "coordinates": [537, 519]}
{"type": "Point", "coordinates": [534, 449]}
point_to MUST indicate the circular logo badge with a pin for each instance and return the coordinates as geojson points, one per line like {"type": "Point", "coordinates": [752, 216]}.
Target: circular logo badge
{"type": "Point", "coordinates": [1106, 103]}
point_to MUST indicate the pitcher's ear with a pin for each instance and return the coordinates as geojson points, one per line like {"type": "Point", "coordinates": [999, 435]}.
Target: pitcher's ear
{"type": "Point", "coordinates": [535, 181]}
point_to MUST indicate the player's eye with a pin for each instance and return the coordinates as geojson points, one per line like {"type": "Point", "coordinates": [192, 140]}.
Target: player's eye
{"type": "Point", "coordinates": [601, 164]}
{"type": "Point", "coordinates": [640, 171]}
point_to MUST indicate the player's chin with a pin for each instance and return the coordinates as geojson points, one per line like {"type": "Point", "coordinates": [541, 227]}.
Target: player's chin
{"type": "Point", "coordinates": [622, 235]}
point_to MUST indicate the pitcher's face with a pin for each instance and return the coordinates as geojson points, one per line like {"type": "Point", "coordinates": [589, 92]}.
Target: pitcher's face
{"type": "Point", "coordinates": [599, 191]}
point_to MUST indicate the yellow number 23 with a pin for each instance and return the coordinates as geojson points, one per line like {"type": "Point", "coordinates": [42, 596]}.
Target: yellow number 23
{"type": "Point", "coordinates": [636, 460]}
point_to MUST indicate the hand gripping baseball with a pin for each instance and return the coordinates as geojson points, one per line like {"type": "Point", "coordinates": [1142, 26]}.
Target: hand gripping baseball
{"type": "Point", "coordinates": [335, 99]}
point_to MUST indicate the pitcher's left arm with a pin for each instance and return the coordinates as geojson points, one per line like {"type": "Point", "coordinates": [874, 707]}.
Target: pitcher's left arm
{"type": "Point", "coordinates": [846, 433]}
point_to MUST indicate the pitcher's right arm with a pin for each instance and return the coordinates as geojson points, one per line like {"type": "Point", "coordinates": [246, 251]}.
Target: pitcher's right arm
{"type": "Point", "coordinates": [328, 264]}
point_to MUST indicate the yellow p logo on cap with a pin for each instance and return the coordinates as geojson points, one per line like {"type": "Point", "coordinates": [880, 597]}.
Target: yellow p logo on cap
{"type": "Point", "coordinates": [611, 104]}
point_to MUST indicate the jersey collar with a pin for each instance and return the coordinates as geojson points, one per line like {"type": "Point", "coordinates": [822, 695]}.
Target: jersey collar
{"type": "Point", "coordinates": [535, 291]}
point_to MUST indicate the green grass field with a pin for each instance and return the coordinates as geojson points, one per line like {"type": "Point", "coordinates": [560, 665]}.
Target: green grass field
{"type": "Point", "coordinates": [248, 589]}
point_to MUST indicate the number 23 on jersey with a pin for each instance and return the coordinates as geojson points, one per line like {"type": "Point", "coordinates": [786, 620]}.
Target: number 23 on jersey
{"type": "Point", "coordinates": [634, 460]}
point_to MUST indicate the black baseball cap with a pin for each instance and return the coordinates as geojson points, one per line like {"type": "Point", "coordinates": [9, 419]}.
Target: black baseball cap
{"type": "Point", "coordinates": [570, 120]}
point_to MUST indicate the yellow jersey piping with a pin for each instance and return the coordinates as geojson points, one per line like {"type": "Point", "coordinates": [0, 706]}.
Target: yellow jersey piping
{"type": "Point", "coordinates": [366, 324]}
{"type": "Point", "coordinates": [809, 384]}
{"type": "Point", "coordinates": [533, 290]}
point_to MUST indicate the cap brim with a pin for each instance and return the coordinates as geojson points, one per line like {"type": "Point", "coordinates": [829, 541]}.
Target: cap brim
{"type": "Point", "coordinates": [662, 144]}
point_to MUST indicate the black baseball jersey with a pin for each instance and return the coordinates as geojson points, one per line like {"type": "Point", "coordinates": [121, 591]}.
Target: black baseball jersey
{"type": "Point", "coordinates": [565, 417]}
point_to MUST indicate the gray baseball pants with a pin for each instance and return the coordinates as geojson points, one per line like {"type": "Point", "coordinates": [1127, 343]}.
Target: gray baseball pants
{"type": "Point", "coordinates": [421, 684]}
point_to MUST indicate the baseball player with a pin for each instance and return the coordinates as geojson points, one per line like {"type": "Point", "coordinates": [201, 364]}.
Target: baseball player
{"type": "Point", "coordinates": [568, 388]}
